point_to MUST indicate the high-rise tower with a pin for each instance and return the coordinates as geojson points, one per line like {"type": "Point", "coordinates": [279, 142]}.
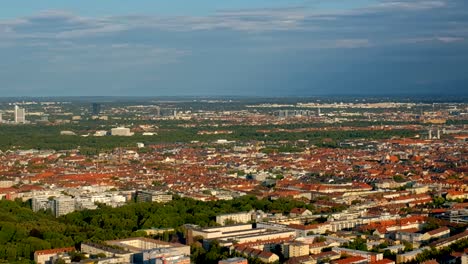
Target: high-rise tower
{"type": "Point", "coordinates": [20, 115]}
{"type": "Point", "coordinates": [96, 108]}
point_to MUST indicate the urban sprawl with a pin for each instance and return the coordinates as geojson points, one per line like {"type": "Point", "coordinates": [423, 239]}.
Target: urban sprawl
{"type": "Point", "coordinates": [233, 181]}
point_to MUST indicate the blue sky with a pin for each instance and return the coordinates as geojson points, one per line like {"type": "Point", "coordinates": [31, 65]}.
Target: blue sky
{"type": "Point", "coordinates": [212, 47]}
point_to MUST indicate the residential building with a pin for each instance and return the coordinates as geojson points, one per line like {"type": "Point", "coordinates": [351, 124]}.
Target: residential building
{"type": "Point", "coordinates": [150, 196]}
{"type": "Point", "coordinates": [48, 255]}
{"type": "Point", "coordinates": [295, 249]}
{"type": "Point", "coordinates": [62, 206]}
{"type": "Point", "coordinates": [408, 256]}
{"type": "Point", "coordinates": [369, 256]}
{"type": "Point", "coordinates": [40, 203]}
{"type": "Point", "coordinates": [239, 218]}
{"type": "Point", "coordinates": [237, 260]}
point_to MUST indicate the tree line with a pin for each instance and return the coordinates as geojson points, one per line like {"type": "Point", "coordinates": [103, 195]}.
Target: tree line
{"type": "Point", "coordinates": [22, 231]}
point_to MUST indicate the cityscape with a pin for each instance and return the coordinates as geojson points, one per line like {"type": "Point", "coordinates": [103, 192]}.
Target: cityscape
{"type": "Point", "coordinates": [234, 132]}
{"type": "Point", "coordinates": [229, 180]}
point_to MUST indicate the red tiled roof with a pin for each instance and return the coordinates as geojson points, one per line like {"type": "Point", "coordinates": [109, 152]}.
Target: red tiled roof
{"type": "Point", "coordinates": [383, 261]}
{"type": "Point", "coordinates": [438, 230]}
{"type": "Point", "coordinates": [53, 251]}
{"type": "Point", "coordinates": [349, 260]}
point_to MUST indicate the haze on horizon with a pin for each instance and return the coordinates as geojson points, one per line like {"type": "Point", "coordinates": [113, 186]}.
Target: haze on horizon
{"type": "Point", "coordinates": [211, 47]}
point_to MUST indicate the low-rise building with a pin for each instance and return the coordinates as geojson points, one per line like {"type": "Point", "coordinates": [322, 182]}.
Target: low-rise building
{"type": "Point", "coordinates": [140, 250]}
{"type": "Point", "coordinates": [150, 196]}
{"type": "Point", "coordinates": [369, 256]}
{"type": "Point", "coordinates": [237, 260]}
{"type": "Point", "coordinates": [48, 255]}
{"type": "Point", "coordinates": [239, 218]}
{"type": "Point", "coordinates": [121, 131]}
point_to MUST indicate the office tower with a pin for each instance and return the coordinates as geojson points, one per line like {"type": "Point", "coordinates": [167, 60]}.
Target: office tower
{"type": "Point", "coordinates": [96, 108]}
{"type": "Point", "coordinates": [20, 115]}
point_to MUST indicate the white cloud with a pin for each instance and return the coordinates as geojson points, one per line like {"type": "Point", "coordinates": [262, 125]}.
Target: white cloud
{"type": "Point", "coordinates": [449, 39]}
{"type": "Point", "coordinates": [352, 43]}
{"type": "Point", "coordinates": [410, 5]}
{"type": "Point", "coordinates": [432, 39]}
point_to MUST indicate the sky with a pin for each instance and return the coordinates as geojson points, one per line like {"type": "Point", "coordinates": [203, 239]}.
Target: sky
{"type": "Point", "coordinates": [242, 47]}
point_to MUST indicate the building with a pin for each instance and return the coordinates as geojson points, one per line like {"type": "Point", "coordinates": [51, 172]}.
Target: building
{"type": "Point", "coordinates": [95, 108]}
{"type": "Point", "coordinates": [100, 133]}
{"type": "Point", "coordinates": [6, 184]}
{"type": "Point", "coordinates": [408, 256]}
{"type": "Point", "coordinates": [368, 256]}
{"type": "Point", "coordinates": [40, 203]}
{"type": "Point", "coordinates": [351, 260]}
{"type": "Point", "coordinates": [92, 248]}
{"type": "Point", "coordinates": [121, 131]}
{"type": "Point", "coordinates": [62, 206]}
{"type": "Point", "coordinates": [295, 249]}
{"type": "Point", "coordinates": [450, 240]}
{"type": "Point", "coordinates": [140, 250]}
{"type": "Point", "coordinates": [233, 261]}
{"type": "Point", "coordinates": [148, 196]}
{"type": "Point", "coordinates": [238, 218]}
{"type": "Point", "coordinates": [300, 212]}
{"type": "Point", "coordinates": [264, 256]}
{"type": "Point", "coordinates": [20, 115]}
{"type": "Point", "coordinates": [316, 248]}
{"type": "Point", "coordinates": [47, 256]}
{"type": "Point", "coordinates": [242, 233]}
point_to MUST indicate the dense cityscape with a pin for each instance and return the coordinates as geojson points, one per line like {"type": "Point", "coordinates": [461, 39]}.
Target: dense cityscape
{"type": "Point", "coordinates": [234, 132]}
{"type": "Point", "coordinates": [233, 180]}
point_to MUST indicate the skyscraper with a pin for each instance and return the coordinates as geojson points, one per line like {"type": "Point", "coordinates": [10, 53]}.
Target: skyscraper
{"type": "Point", "coordinates": [20, 115]}
{"type": "Point", "coordinates": [96, 108]}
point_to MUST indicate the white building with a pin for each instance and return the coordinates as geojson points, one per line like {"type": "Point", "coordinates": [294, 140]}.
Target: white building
{"type": "Point", "coordinates": [100, 133]}
{"type": "Point", "coordinates": [40, 203]}
{"type": "Point", "coordinates": [238, 218]}
{"type": "Point", "coordinates": [121, 131]}
{"type": "Point", "coordinates": [63, 206]}
{"type": "Point", "coordinates": [51, 255]}
{"type": "Point", "coordinates": [20, 115]}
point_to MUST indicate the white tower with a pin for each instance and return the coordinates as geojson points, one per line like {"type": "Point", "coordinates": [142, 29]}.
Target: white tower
{"type": "Point", "coordinates": [20, 114]}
